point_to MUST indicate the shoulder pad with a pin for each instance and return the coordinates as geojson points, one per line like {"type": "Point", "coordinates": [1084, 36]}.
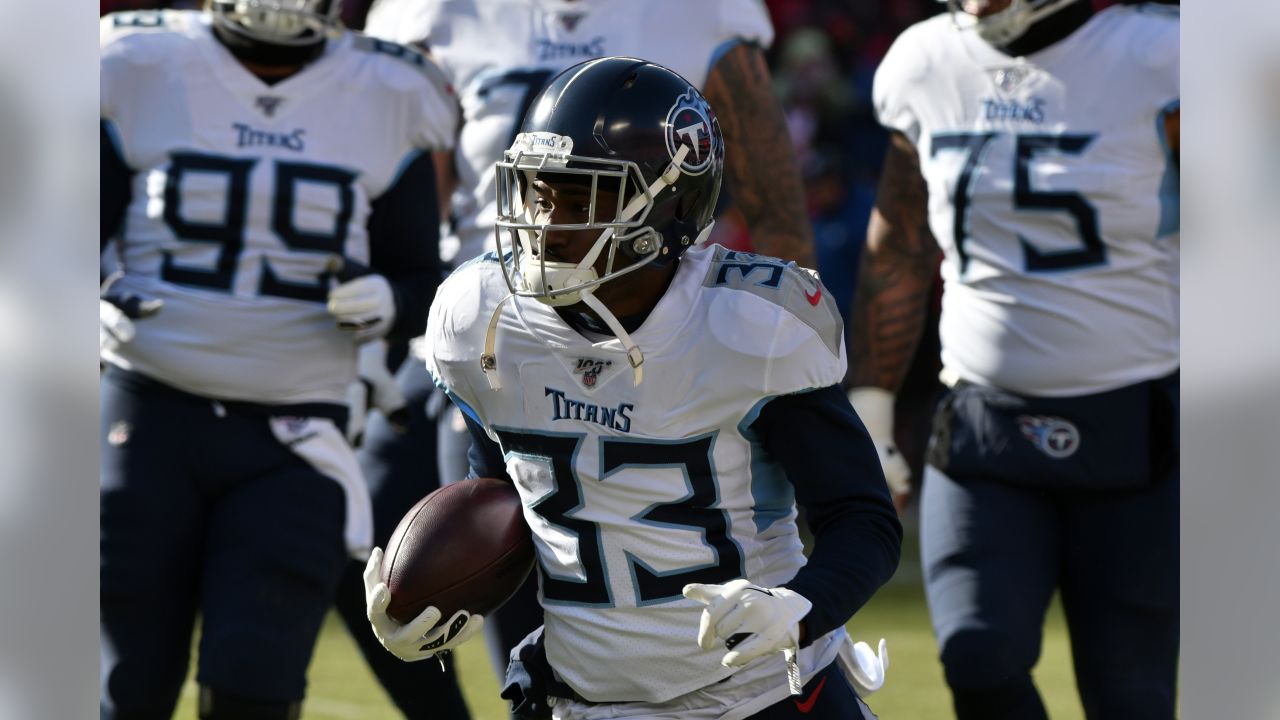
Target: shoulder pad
{"type": "Point", "coordinates": [140, 34]}
{"type": "Point", "coordinates": [910, 56]}
{"type": "Point", "coordinates": [793, 289]}
{"type": "Point", "coordinates": [402, 58]}
{"type": "Point", "coordinates": [462, 308]}
{"type": "Point", "coordinates": [904, 69]}
{"type": "Point", "coordinates": [1154, 8]}
{"type": "Point", "coordinates": [1153, 34]}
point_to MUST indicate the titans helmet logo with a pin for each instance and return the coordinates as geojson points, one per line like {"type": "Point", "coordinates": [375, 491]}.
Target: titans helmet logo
{"type": "Point", "coordinates": [1054, 436]}
{"type": "Point", "coordinates": [690, 122]}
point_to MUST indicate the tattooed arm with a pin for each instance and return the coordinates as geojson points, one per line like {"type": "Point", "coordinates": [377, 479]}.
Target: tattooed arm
{"type": "Point", "coordinates": [763, 177]}
{"type": "Point", "coordinates": [895, 276]}
{"type": "Point", "coordinates": [889, 307]}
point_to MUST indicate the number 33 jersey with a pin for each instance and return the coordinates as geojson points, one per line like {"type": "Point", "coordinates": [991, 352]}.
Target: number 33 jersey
{"type": "Point", "coordinates": [1052, 193]}
{"type": "Point", "coordinates": [501, 53]}
{"type": "Point", "coordinates": [634, 491]}
{"type": "Point", "coordinates": [242, 192]}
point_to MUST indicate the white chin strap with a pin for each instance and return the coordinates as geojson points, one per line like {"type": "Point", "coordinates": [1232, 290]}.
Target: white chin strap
{"type": "Point", "coordinates": [583, 272]}
{"type": "Point", "coordinates": [634, 355]}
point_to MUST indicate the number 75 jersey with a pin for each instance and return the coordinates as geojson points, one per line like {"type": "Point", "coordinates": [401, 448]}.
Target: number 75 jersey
{"type": "Point", "coordinates": [1053, 195]}
{"type": "Point", "coordinates": [242, 192]}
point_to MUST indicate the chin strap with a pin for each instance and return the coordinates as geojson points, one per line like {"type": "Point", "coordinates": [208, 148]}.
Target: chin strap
{"type": "Point", "coordinates": [489, 359]}
{"type": "Point", "coordinates": [634, 356]}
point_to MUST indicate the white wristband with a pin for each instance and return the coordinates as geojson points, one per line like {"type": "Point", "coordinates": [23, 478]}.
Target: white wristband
{"type": "Point", "coordinates": [874, 406]}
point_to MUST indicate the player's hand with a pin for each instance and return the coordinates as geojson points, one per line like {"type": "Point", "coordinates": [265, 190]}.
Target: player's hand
{"type": "Point", "coordinates": [116, 313]}
{"type": "Point", "coordinates": [875, 407]}
{"type": "Point", "coordinates": [749, 620]}
{"type": "Point", "coordinates": [374, 387]}
{"type": "Point", "coordinates": [364, 306]}
{"type": "Point", "coordinates": [419, 638]}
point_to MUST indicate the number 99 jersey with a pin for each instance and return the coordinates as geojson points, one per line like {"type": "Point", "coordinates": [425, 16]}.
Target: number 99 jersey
{"type": "Point", "coordinates": [1053, 196]}
{"type": "Point", "coordinates": [242, 192]}
{"type": "Point", "coordinates": [500, 54]}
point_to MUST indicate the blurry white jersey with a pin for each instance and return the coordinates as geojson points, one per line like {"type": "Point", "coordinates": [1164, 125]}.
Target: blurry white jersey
{"type": "Point", "coordinates": [1053, 195]}
{"type": "Point", "coordinates": [632, 492]}
{"type": "Point", "coordinates": [243, 191]}
{"type": "Point", "coordinates": [500, 53]}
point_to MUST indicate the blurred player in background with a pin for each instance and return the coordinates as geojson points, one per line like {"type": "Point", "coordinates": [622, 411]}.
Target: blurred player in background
{"type": "Point", "coordinates": [1036, 142]}
{"type": "Point", "coordinates": [662, 407]}
{"type": "Point", "coordinates": [235, 192]}
{"type": "Point", "coordinates": [499, 55]}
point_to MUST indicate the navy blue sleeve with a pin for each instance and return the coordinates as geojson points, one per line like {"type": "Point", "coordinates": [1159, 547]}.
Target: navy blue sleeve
{"type": "Point", "coordinates": [485, 455]}
{"type": "Point", "coordinates": [115, 179]}
{"type": "Point", "coordinates": [404, 234]}
{"type": "Point", "coordinates": [828, 456]}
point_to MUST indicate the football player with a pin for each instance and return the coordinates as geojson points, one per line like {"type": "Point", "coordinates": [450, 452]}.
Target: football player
{"type": "Point", "coordinates": [499, 55]}
{"type": "Point", "coordinates": [262, 170]}
{"type": "Point", "coordinates": [1036, 142]}
{"type": "Point", "coordinates": [662, 407]}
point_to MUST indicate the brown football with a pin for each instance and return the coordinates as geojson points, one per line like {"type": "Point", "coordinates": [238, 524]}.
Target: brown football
{"type": "Point", "coordinates": [463, 547]}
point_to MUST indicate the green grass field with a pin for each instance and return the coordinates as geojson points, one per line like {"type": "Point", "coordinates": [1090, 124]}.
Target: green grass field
{"type": "Point", "coordinates": [342, 688]}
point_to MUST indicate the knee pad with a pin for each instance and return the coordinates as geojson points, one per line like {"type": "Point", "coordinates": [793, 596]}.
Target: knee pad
{"type": "Point", "coordinates": [218, 705]}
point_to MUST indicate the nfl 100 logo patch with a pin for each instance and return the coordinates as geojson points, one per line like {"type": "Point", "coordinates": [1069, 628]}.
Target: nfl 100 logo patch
{"type": "Point", "coordinates": [1054, 436]}
{"type": "Point", "coordinates": [589, 370]}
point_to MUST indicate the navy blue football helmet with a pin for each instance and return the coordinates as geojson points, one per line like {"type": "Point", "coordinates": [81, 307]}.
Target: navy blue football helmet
{"type": "Point", "coordinates": [622, 124]}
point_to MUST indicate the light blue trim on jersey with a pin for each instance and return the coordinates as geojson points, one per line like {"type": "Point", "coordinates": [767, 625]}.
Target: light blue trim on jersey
{"type": "Point", "coordinates": [490, 256]}
{"type": "Point", "coordinates": [1170, 196]}
{"type": "Point", "coordinates": [409, 158]}
{"type": "Point", "coordinates": [113, 135]}
{"type": "Point", "coordinates": [639, 518]}
{"type": "Point", "coordinates": [462, 405]}
{"type": "Point", "coordinates": [773, 494]}
{"type": "Point", "coordinates": [721, 50]}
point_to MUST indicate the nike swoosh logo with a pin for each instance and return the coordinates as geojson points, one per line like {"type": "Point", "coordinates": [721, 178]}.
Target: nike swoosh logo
{"type": "Point", "coordinates": [815, 297]}
{"type": "Point", "coordinates": [807, 705]}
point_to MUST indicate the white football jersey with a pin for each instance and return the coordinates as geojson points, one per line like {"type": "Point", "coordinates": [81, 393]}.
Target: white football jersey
{"type": "Point", "coordinates": [243, 191]}
{"type": "Point", "coordinates": [500, 53]}
{"type": "Point", "coordinates": [632, 492]}
{"type": "Point", "coordinates": [1053, 195]}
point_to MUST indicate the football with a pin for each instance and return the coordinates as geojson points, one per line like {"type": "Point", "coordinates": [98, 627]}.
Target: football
{"type": "Point", "coordinates": [463, 547]}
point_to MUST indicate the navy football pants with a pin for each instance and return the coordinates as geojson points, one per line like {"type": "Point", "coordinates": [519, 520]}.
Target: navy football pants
{"type": "Point", "coordinates": [400, 469]}
{"type": "Point", "coordinates": [993, 555]}
{"type": "Point", "coordinates": [207, 513]}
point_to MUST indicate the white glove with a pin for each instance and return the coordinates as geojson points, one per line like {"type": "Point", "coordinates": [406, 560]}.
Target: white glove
{"type": "Point", "coordinates": [415, 640]}
{"type": "Point", "coordinates": [116, 314]}
{"type": "Point", "coordinates": [365, 306]}
{"type": "Point", "coordinates": [770, 616]}
{"type": "Point", "coordinates": [875, 407]}
{"type": "Point", "coordinates": [867, 668]}
{"type": "Point", "coordinates": [374, 387]}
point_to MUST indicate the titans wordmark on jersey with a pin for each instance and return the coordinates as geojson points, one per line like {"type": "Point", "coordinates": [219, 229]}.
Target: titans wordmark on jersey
{"type": "Point", "coordinates": [500, 54]}
{"type": "Point", "coordinates": [634, 491]}
{"type": "Point", "coordinates": [243, 191]}
{"type": "Point", "coordinates": [1053, 195]}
